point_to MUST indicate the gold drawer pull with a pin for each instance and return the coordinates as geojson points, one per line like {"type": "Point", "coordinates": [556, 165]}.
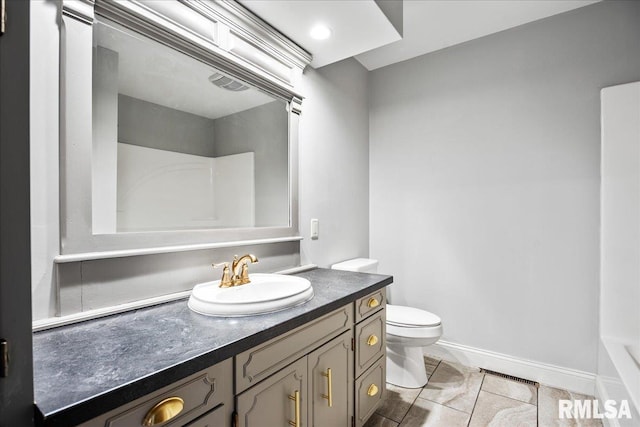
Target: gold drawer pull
{"type": "Point", "coordinates": [163, 411]}
{"type": "Point", "coordinates": [373, 302]}
{"type": "Point", "coordinates": [372, 390]}
{"type": "Point", "coordinates": [296, 398]}
{"type": "Point", "coordinates": [372, 340]}
{"type": "Point", "coordinates": [328, 396]}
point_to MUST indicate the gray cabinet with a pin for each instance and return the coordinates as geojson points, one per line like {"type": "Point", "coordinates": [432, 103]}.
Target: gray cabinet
{"type": "Point", "coordinates": [370, 355]}
{"type": "Point", "coordinates": [370, 304]}
{"type": "Point", "coordinates": [197, 401]}
{"type": "Point", "coordinates": [261, 361]}
{"type": "Point", "coordinates": [335, 365]}
{"type": "Point", "coordinates": [315, 390]}
{"type": "Point", "coordinates": [370, 341]}
{"type": "Point", "coordinates": [280, 400]}
{"type": "Point", "coordinates": [214, 418]}
{"type": "Point", "coordinates": [370, 388]}
{"type": "Point", "coordinates": [331, 383]}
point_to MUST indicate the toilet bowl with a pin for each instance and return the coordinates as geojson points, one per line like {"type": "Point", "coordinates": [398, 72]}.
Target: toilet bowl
{"type": "Point", "coordinates": [408, 330]}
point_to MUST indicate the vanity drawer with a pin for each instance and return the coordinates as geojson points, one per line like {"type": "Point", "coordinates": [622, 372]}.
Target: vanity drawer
{"type": "Point", "coordinates": [214, 418]}
{"type": "Point", "coordinates": [201, 392]}
{"type": "Point", "coordinates": [370, 389]}
{"type": "Point", "coordinates": [256, 364]}
{"type": "Point", "coordinates": [370, 341]}
{"type": "Point", "coordinates": [370, 304]}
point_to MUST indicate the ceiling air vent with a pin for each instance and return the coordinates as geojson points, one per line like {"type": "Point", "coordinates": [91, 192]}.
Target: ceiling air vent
{"type": "Point", "coordinates": [228, 83]}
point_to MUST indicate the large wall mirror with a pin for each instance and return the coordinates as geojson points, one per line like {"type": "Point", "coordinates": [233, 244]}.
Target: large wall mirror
{"type": "Point", "coordinates": [178, 145]}
{"type": "Point", "coordinates": [178, 128]}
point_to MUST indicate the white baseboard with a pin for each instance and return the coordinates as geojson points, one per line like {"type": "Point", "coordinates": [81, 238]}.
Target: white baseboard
{"type": "Point", "coordinates": [551, 375]}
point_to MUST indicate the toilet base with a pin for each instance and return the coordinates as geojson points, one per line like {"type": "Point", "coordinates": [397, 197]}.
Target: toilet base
{"type": "Point", "coordinates": [405, 366]}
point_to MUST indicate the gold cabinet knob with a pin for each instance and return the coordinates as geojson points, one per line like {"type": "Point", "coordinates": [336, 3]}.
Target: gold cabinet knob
{"type": "Point", "coordinates": [372, 390]}
{"type": "Point", "coordinates": [163, 411]}
{"type": "Point", "coordinates": [372, 340]}
{"type": "Point", "coordinates": [373, 302]}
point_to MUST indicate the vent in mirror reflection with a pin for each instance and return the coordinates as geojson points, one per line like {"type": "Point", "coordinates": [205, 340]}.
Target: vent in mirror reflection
{"type": "Point", "coordinates": [228, 83]}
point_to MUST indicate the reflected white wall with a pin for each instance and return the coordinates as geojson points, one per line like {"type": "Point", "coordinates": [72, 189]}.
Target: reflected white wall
{"type": "Point", "coordinates": [105, 134]}
{"type": "Point", "coordinates": [164, 190]}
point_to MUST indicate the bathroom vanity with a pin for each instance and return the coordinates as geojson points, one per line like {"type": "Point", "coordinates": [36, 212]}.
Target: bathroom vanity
{"type": "Point", "coordinates": [321, 363]}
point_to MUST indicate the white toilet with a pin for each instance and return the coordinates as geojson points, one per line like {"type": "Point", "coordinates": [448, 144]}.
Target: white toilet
{"type": "Point", "coordinates": [408, 330]}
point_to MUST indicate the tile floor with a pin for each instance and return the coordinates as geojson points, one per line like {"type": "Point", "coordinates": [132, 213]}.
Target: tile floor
{"type": "Point", "coordinates": [460, 396]}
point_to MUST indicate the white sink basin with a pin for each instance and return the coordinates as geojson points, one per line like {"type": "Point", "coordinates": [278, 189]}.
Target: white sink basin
{"type": "Point", "coordinates": [266, 293]}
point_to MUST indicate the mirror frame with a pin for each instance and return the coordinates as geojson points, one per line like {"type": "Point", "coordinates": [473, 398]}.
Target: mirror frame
{"type": "Point", "coordinates": [221, 34]}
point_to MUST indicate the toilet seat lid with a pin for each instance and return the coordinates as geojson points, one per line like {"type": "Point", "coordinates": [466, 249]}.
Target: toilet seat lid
{"type": "Point", "coordinates": [400, 315]}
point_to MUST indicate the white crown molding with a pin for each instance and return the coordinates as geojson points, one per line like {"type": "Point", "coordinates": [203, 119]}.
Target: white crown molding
{"type": "Point", "coordinates": [259, 32]}
{"type": "Point", "coordinates": [223, 34]}
{"type": "Point", "coordinates": [82, 10]}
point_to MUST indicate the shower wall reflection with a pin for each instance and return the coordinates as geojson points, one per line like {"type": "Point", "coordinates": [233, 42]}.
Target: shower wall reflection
{"type": "Point", "coordinates": [172, 151]}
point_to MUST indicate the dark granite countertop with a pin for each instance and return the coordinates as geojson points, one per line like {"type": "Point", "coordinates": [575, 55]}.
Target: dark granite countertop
{"type": "Point", "coordinates": [86, 369]}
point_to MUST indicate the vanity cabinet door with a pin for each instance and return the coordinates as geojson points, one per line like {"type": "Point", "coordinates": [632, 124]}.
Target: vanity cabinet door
{"type": "Point", "coordinates": [280, 400]}
{"type": "Point", "coordinates": [369, 391]}
{"type": "Point", "coordinates": [370, 341]}
{"type": "Point", "coordinates": [331, 383]}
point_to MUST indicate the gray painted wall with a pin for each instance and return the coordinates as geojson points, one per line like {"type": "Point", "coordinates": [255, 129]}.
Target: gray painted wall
{"type": "Point", "coordinates": [264, 131]}
{"type": "Point", "coordinates": [334, 162]}
{"type": "Point", "coordinates": [97, 284]}
{"type": "Point", "coordinates": [485, 181]}
{"type": "Point", "coordinates": [154, 126]}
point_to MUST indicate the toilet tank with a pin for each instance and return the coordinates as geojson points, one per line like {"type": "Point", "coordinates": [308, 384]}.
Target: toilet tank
{"type": "Point", "coordinates": [360, 265]}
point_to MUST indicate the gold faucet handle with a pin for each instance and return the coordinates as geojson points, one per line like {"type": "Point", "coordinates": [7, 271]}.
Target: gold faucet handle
{"type": "Point", "coordinates": [225, 280]}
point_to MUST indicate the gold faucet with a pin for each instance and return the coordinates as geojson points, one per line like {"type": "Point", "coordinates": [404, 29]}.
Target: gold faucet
{"type": "Point", "coordinates": [242, 277]}
{"type": "Point", "coordinates": [239, 272]}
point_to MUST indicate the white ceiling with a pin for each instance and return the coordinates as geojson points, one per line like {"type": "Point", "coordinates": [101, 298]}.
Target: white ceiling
{"type": "Point", "coordinates": [356, 25]}
{"type": "Point", "coordinates": [155, 73]}
{"type": "Point", "coordinates": [433, 25]}
{"type": "Point", "coordinates": [429, 25]}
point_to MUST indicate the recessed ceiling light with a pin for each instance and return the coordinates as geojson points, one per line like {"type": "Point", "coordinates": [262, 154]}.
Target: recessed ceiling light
{"type": "Point", "coordinates": [320, 32]}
